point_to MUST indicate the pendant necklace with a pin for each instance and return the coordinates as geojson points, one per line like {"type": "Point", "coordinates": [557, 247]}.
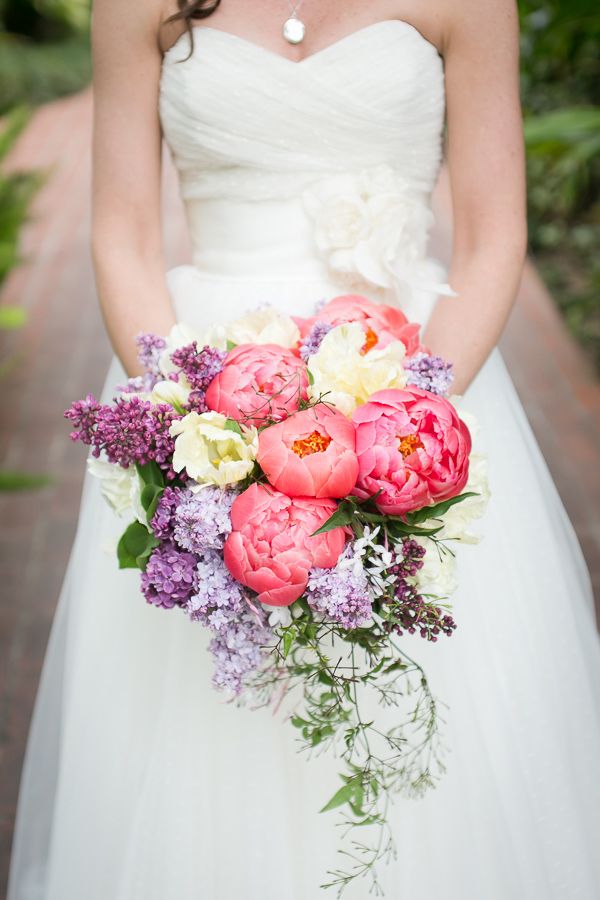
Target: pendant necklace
{"type": "Point", "coordinates": [293, 27]}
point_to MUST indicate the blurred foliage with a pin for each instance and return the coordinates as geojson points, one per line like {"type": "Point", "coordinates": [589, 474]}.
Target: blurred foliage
{"type": "Point", "coordinates": [560, 90]}
{"type": "Point", "coordinates": [44, 50]}
{"type": "Point", "coordinates": [16, 191]}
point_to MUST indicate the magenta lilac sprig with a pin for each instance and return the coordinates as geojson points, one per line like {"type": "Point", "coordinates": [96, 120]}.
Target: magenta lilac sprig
{"type": "Point", "coordinates": [199, 366]}
{"type": "Point", "coordinates": [128, 431]}
{"type": "Point", "coordinates": [431, 373]}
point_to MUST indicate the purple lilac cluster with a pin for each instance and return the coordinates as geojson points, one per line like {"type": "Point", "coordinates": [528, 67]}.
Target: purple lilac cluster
{"type": "Point", "coordinates": [239, 632]}
{"type": "Point", "coordinates": [138, 384]}
{"type": "Point", "coordinates": [341, 593]}
{"type": "Point", "coordinates": [150, 347]}
{"type": "Point", "coordinates": [411, 611]}
{"type": "Point", "coordinates": [312, 341]}
{"type": "Point", "coordinates": [199, 368]}
{"type": "Point", "coordinates": [431, 373]}
{"type": "Point", "coordinates": [129, 431]}
{"type": "Point", "coordinates": [170, 577]}
{"type": "Point", "coordinates": [196, 521]}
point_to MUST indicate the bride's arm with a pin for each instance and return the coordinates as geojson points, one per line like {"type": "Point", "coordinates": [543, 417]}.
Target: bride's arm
{"type": "Point", "coordinates": [485, 157]}
{"type": "Point", "coordinates": [126, 222]}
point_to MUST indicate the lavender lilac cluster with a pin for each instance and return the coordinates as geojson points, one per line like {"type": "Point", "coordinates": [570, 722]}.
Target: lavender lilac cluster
{"type": "Point", "coordinates": [312, 341]}
{"type": "Point", "coordinates": [196, 521]}
{"type": "Point", "coordinates": [240, 632]}
{"type": "Point", "coordinates": [188, 569]}
{"type": "Point", "coordinates": [170, 577]}
{"type": "Point", "coordinates": [150, 347]}
{"type": "Point", "coordinates": [411, 611]}
{"type": "Point", "coordinates": [431, 373]}
{"type": "Point", "coordinates": [341, 594]}
{"type": "Point", "coordinates": [129, 431]}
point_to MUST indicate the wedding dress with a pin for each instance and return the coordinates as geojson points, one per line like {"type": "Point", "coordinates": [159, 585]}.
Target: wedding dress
{"type": "Point", "coordinates": [140, 783]}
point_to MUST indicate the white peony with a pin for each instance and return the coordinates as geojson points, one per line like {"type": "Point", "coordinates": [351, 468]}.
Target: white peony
{"type": "Point", "coordinates": [460, 516]}
{"type": "Point", "coordinates": [347, 376]}
{"type": "Point", "coordinates": [263, 326]}
{"type": "Point", "coordinates": [121, 487]}
{"type": "Point", "coordinates": [371, 225]}
{"type": "Point", "coordinates": [210, 451]}
{"type": "Point", "coordinates": [438, 574]}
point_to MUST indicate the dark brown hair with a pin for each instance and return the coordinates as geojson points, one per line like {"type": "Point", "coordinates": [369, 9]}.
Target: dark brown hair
{"type": "Point", "coordinates": [193, 9]}
{"type": "Point", "coordinates": [190, 10]}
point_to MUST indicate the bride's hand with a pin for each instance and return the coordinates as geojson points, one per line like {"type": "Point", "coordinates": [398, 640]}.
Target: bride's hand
{"type": "Point", "coordinates": [486, 164]}
{"type": "Point", "coordinates": [126, 226]}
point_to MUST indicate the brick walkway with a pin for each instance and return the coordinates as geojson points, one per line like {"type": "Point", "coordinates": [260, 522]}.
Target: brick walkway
{"type": "Point", "coordinates": [63, 353]}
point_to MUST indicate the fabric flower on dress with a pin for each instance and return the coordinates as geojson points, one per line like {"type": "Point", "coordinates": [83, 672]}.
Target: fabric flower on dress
{"type": "Point", "coordinates": [371, 225]}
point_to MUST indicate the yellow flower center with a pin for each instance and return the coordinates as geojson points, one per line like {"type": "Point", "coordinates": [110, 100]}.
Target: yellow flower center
{"type": "Point", "coordinates": [370, 341]}
{"type": "Point", "coordinates": [314, 443]}
{"type": "Point", "coordinates": [408, 444]}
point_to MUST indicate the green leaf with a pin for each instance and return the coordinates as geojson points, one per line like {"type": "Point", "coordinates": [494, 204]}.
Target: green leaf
{"type": "Point", "coordinates": [311, 378]}
{"type": "Point", "coordinates": [438, 509]}
{"type": "Point", "coordinates": [135, 546]}
{"type": "Point", "coordinates": [151, 473]}
{"type": "Point", "coordinates": [231, 345]}
{"type": "Point", "coordinates": [342, 516]}
{"type": "Point", "coordinates": [232, 425]}
{"type": "Point", "coordinates": [344, 795]}
{"type": "Point", "coordinates": [288, 639]}
{"type": "Point", "coordinates": [150, 496]}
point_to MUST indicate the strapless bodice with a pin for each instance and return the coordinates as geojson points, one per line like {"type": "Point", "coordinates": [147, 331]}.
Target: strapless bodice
{"type": "Point", "coordinates": [303, 168]}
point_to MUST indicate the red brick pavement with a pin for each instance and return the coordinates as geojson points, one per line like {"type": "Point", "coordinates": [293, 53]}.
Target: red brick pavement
{"type": "Point", "coordinates": [63, 353]}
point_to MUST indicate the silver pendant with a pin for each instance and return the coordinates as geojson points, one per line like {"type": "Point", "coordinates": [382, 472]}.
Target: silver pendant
{"type": "Point", "coordinates": [293, 30]}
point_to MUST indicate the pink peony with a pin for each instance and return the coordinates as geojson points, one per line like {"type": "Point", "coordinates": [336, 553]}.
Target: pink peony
{"type": "Point", "coordinates": [382, 324]}
{"type": "Point", "coordinates": [310, 454]}
{"type": "Point", "coordinates": [413, 447]}
{"type": "Point", "coordinates": [258, 383]}
{"type": "Point", "coordinates": [270, 549]}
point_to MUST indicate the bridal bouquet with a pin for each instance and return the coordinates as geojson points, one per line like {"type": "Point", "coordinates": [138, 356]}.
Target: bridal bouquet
{"type": "Point", "coordinates": [295, 485]}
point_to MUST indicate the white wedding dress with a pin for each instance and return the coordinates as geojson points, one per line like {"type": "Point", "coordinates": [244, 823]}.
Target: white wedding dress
{"type": "Point", "coordinates": [140, 783]}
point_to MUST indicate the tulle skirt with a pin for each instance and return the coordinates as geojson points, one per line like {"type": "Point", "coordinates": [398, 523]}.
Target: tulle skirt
{"type": "Point", "coordinates": [141, 783]}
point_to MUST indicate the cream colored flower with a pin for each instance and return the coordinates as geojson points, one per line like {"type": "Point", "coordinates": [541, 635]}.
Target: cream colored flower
{"type": "Point", "coordinates": [211, 451]}
{"type": "Point", "coordinates": [438, 573]}
{"type": "Point", "coordinates": [263, 326]}
{"type": "Point", "coordinates": [346, 376]}
{"type": "Point", "coordinates": [371, 225]}
{"type": "Point", "coordinates": [175, 393]}
{"type": "Point", "coordinates": [120, 487]}
{"type": "Point", "coordinates": [460, 516]}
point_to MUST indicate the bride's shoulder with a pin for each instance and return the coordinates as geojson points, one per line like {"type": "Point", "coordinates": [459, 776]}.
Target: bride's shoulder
{"type": "Point", "coordinates": [127, 28]}
{"type": "Point", "coordinates": [477, 24]}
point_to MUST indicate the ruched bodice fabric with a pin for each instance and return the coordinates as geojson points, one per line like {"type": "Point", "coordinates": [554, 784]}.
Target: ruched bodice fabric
{"type": "Point", "coordinates": [245, 122]}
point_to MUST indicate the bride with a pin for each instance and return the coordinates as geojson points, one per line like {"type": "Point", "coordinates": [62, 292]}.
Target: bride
{"type": "Point", "coordinates": [140, 783]}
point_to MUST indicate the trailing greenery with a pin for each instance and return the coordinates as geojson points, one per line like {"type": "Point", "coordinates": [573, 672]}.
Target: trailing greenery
{"type": "Point", "coordinates": [560, 89]}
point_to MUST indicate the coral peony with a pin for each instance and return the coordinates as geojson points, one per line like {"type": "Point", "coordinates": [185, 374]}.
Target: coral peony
{"type": "Point", "coordinates": [258, 384]}
{"type": "Point", "coordinates": [411, 446]}
{"type": "Point", "coordinates": [381, 324]}
{"type": "Point", "coordinates": [310, 454]}
{"type": "Point", "coordinates": [270, 548]}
